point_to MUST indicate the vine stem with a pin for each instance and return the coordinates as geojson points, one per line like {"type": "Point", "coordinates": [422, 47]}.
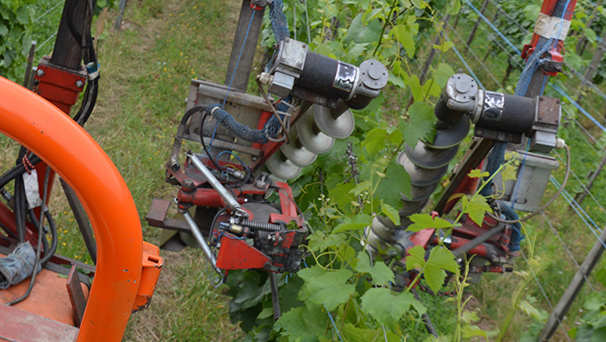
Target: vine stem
{"type": "Point", "coordinates": [387, 22]}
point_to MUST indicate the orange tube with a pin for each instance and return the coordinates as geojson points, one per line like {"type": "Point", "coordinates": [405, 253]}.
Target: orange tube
{"type": "Point", "coordinates": [79, 160]}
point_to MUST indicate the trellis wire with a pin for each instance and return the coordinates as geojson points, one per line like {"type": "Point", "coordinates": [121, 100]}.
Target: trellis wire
{"type": "Point", "coordinates": [545, 296]}
{"type": "Point", "coordinates": [572, 257]}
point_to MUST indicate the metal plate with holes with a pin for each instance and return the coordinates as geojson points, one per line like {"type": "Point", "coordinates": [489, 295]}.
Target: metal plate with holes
{"type": "Point", "coordinates": [549, 111]}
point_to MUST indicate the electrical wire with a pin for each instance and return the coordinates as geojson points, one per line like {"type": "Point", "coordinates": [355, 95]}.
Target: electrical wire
{"type": "Point", "coordinates": [36, 223]}
{"type": "Point", "coordinates": [574, 260]}
{"type": "Point", "coordinates": [206, 114]}
{"type": "Point", "coordinates": [40, 228]}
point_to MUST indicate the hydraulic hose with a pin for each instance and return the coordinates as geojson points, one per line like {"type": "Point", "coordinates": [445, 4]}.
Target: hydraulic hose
{"type": "Point", "coordinates": [174, 155]}
{"type": "Point", "coordinates": [16, 170]}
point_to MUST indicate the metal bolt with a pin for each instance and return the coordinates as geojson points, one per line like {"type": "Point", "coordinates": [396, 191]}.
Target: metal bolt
{"type": "Point", "coordinates": [188, 184]}
{"type": "Point", "coordinates": [79, 84]}
{"type": "Point", "coordinates": [40, 72]}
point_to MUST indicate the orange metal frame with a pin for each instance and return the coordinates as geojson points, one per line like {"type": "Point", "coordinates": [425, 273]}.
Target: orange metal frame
{"type": "Point", "coordinates": [69, 150]}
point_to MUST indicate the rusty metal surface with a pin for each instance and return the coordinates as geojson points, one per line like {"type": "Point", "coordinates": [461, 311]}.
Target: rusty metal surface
{"type": "Point", "coordinates": [76, 296]}
{"type": "Point", "coordinates": [477, 151]}
{"type": "Point", "coordinates": [49, 297]}
{"type": "Point", "coordinates": [156, 217]}
{"type": "Point", "coordinates": [21, 326]}
{"type": "Point", "coordinates": [549, 111]}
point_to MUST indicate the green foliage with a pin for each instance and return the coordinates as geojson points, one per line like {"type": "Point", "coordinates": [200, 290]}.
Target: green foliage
{"type": "Point", "coordinates": [326, 288]}
{"type": "Point", "coordinates": [424, 221]}
{"type": "Point", "coordinates": [388, 307]}
{"type": "Point", "coordinates": [439, 260]}
{"type": "Point", "coordinates": [16, 19]}
{"type": "Point", "coordinates": [593, 323]}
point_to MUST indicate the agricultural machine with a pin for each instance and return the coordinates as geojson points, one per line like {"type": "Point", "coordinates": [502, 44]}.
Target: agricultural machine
{"type": "Point", "coordinates": [45, 296]}
{"type": "Point", "coordinates": [251, 145]}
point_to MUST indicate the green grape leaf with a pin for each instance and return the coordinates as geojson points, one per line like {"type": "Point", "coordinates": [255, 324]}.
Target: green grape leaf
{"type": "Point", "coordinates": [431, 88]}
{"type": "Point", "coordinates": [360, 188]}
{"type": "Point", "coordinates": [477, 173]}
{"type": "Point", "coordinates": [396, 183]}
{"type": "Point", "coordinates": [454, 8]}
{"type": "Point", "coordinates": [420, 125]}
{"type": "Point", "coordinates": [405, 37]}
{"type": "Point", "coordinates": [439, 259]}
{"type": "Point", "coordinates": [353, 334]}
{"type": "Point", "coordinates": [476, 208]}
{"type": "Point", "coordinates": [387, 307]}
{"type": "Point", "coordinates": [445, 46]}
{"type": "Point", "coordinates": [362, 32]}
{"type": "Point", "coordinates": [590, 34]}
{"type": "Point", "coordinates": [342, 196]}
{"type": "Point", "coordinates": [470, 331]}
{"type": "Point", "coordinates": [380, 273]}
{"type": "Point", "coordinates": [396, 81]}
{"type": "Point", "coordinates": [375, 140]}
{"type": "Point", "coordinates": [303, 323]}
{"type": "Point", "coordinates": [356, 222]}
{"type": "Point", "coordinates": [391, 212]}
{"type": "Point", "coordinates": [509, 172]}
{"type": "Point", "coordinates": [442, 73]}
{"type": "Point", "coordinates": [23, 16]}
{"type": "Point", "coordinates": [319, 241]}
{"type": "Point", "coordinates": [420, 4]}
{"type": "Point", "coordinates": [328, 288]}
{"type": "Point", "coordinates": [425, 221]}
{"type": "Point", "coordinates": [416, 89]}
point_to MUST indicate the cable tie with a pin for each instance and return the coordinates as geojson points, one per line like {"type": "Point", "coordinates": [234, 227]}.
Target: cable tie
{"type": "Point", "coordinates": [27, 164]}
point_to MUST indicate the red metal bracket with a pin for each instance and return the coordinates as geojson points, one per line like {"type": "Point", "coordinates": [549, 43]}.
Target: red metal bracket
{"type": "Point", "coordinates": [59, 86]}
{"type": "Point", "coordinates": [236, 254]}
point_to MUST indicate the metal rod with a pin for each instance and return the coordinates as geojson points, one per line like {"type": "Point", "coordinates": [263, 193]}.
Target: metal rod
{"type": "Point", "coordinates": [82, 220]}
{"type": "Point", "coordinates": [201, 241]}
{"type": "Point", "coordinates": [229, 200]}
{"type": "Point", "coordinates": [238, 79]}
{"type": "Point", "coordinates": [275, 298]}
{"type": "Point", "coordinates": [122, 7]}
{"type": "Point", "coordinates": [478, 240]}
{"type": "Point", "coordinates": [30, 63]}
{"type": "Point", "coordinates": [428, 325]}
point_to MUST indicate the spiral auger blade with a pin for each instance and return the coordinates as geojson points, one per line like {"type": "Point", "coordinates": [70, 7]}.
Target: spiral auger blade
{"type": "Point", "coordinates": [426, 163]}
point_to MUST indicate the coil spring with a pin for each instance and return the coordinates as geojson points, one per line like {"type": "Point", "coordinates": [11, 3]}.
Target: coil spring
{"type": "Point", "coordinates": [268, 227]}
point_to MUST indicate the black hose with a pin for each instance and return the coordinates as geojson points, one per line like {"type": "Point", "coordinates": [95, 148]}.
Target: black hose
{"type": "Point", "coordinates": [17, 170]}
{"type": "Point", "coordinates": [206, 114]}
{"type": "Point", "coordinates": [36, 223]}
{"type": "Point", "coordinates": [40, 238]}
{"type": "Point", "coordinates": [89, 102]}
{"type": "Point", "coordinates": [54, 239]}
{"type": "Point", "coordinates": [8, 231]}
{"type": "Point", "coordinates": [19, 206]}
{"type": "Point", "coordinates": [212, 225]}
{"type": "Point", "coordinates": [174, 154]}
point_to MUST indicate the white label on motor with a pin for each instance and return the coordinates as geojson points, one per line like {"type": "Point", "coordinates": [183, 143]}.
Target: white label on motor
{"type": "Point", "coordinates": [32, 192]}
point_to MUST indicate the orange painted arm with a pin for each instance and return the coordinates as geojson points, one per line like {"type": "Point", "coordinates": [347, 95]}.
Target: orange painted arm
{"type": "Point", "coordinates": [79, 160]}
